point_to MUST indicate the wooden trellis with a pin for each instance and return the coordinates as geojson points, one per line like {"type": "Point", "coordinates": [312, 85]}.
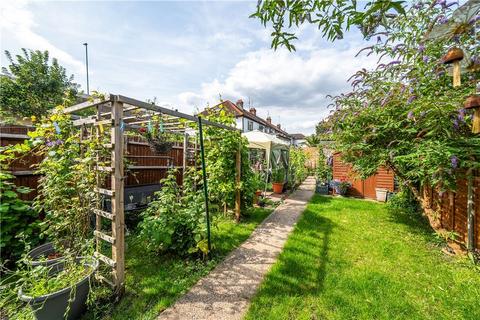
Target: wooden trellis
{"type": "Point", "coordinates": [119, 113]}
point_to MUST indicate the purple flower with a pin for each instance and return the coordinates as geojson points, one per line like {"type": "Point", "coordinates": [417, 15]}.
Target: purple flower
{"type": "Point", "coordinates": [410, 115]}
{"type": "Point", "coordinates": [474, 19]}
{"type": "Point", "coordinates": [461, 115]}
{"type": "Point", "coordinates": [451, 4]}
{"type": "Point", "coordinates": [426, 59]}
{"type": "Point", "coordinates": [379, 39]}
{"type": "Point", "coordinates": [442, 20]}
{"type": "Point", "coordinates": [454, 162]}
{"type": "Point", "coordinates": [418, 5]}
{"type": "Point", "coordinates": [394, 62]}
{"type": "Point", "coordinates": [455, 123]}
{"type": "Point", "coordinates": [411, 90]}
{"type": "Point", "coordinates": [59, 141]}
{"type": "Point", "coordinates": [443, 3]}
{"type": "Point", "coordinates": [410, 100]}
{"type": "Point", "coordinates": [421, 48]}
{"type": "Point", "coordinates": [49, 143]}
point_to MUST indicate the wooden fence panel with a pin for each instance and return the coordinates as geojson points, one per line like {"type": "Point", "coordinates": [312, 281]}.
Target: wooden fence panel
{"type": "Point", "coordinates": [147, 167]}
{"type": "Point", "coordinates": [450, 207]}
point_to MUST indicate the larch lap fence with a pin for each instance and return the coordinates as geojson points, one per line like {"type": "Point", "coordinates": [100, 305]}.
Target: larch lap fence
{"type": "Point", "coordinates": [115, 116]}
{"type": "Point", "coordinates": [450, 207]}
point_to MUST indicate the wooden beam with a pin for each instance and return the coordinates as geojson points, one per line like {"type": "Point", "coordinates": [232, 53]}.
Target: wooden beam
{"type": "Point", "coordinates": [149, 106]}
{"type": "Point", "coordinates": [85, 105]}
{"type": "Point", "coordinates": [13, 135]}
{"type": "Point", "coordinates": [185, 150]}
{"type": "Point", "coordinates": [238, 165]}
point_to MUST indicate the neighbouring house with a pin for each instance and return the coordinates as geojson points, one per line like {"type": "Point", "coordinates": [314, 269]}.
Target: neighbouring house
{"type": "Point", "coordinates": [299, 139]}
{"type": "Point", "coordinates": [247, 120]}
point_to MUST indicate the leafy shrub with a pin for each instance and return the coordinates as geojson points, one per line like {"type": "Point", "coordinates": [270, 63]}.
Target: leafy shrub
{"type": "Point", "coordinates": [175, 220]}
{"type": "Point", "coordinates": [298, 168]}
{"type": "Point", "coordinates": [405, 202]}
{"type": "Point", "coordinates": [17, 219]}
{"type": "Point", "coordinates": [278, 175]}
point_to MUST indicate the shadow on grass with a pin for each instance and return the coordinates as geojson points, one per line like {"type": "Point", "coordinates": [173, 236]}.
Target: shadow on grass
{"type": "Point", "coordinates": [415, 223]}
{"type": "Point", "coordinates": [302, 267]}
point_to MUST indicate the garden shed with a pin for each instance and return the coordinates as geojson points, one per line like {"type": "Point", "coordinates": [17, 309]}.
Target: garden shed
{"type": "Point", "coordinates": [384, 178]}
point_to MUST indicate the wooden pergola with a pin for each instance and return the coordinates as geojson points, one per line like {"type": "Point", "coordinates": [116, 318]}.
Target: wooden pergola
{"type": "Point", "coordinates": [119, 114]}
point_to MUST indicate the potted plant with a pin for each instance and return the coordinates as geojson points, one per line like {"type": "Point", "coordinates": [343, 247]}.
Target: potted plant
{"type": "Point", "coordinates": [47, 254]}
{"type": "Point", "coordinates": [278, 179]}
{"type": "Point", "coordinates": [257, 182]}
{"type": "Point", "coordinates": [159, 140]}
{"type": "Point", "coordinates": [341, 187]}
{"type": "Point", "coordinates": [58, 291]}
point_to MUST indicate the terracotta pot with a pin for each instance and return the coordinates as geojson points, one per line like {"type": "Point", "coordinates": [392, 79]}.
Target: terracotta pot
{"type": "Point", "coordinates": [277, 187]}
{"type": "Point", "coordinates": [256, 196]}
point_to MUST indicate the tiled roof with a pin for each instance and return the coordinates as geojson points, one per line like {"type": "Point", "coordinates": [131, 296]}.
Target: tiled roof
{"type": "Point", "coordinates": [247, 114]}
{"type": "Point", "coordinates": [298, 136]}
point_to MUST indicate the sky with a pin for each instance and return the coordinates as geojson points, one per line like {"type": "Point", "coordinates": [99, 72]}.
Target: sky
{"type": "Point", "coordinates": [187, 54]}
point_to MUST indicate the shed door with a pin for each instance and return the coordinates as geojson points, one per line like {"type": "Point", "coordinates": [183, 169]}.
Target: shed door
{"type": "Point", "coordinates": [369, 187]}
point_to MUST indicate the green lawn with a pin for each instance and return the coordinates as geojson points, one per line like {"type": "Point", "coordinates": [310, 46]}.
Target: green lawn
{"type": "Point", "coordinates": [351, 259]}
{"type": "Point", "coordinates": [155, 282]}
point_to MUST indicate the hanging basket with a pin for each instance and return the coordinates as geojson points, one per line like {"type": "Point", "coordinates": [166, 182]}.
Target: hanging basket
{"type": "Point", "coordinates": [160, 145]}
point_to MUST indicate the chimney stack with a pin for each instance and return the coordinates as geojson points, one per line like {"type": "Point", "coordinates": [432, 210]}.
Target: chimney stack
{"type": "Point", "coordinates": [279, 126]}
{"type": "Point", "coordinates": [240, 103]}
{"type": "Point", "coordinates": [253, 111]}
{"type": "Point", "coordinates": [269, 120]}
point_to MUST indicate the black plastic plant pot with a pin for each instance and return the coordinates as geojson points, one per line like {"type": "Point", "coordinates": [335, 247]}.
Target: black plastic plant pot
{"type": "Point", "coordinates": [39, 255]}
{"type": "Point", "coordinates": [53, 306]}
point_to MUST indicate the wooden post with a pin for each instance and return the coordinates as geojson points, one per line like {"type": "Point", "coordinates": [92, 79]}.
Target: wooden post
{"type": "Point", "coordinates": [457, 82]}
{"type": "Point", "coordinates": [98, 219]}
{"type": "Point", "coordinates": [118, 222]}
{"type": "Point", "coordinates": [238, 167]}
{"type": "Point", "coordinates": [185, 151]}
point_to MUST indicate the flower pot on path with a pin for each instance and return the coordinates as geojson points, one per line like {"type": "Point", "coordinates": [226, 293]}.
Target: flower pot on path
{"type": "Point", "coordinates": [381, 194]}
{"type": "Point", "coordinates": [54, 305]}
{"type": "Point", "coordinates": [277, 187]}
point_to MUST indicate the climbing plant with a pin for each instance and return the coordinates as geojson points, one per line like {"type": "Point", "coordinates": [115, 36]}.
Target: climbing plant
{"type": "Point", "coordinates": [175, 221]}
{"type": "Point", "coordinates": [221, 148]}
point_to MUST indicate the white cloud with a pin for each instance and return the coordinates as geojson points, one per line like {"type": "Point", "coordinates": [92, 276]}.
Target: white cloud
{"type": "Point", "coordinates": [292, 86]}
{"type": "Point", "coordinates": [19, 23]}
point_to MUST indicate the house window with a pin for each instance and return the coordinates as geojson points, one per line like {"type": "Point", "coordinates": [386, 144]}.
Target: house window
{"type": "Point", "coordinates": [260, 127]}
{"type": "Point", "coordinates": [250, 125]}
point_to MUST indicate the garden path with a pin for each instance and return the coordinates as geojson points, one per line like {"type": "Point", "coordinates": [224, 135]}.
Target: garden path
{"type": "Point", "coordinates": [225, 293]}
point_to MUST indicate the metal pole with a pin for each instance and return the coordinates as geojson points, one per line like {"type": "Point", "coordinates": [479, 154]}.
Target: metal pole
{"type": "Point", "coordinates": [86, 61]}
{"type": "Point", "coordinates": [205, 188]}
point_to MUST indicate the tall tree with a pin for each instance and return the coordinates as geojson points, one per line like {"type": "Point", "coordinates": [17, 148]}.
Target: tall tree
{"type": "Point", "coordinates": [31, 85]}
